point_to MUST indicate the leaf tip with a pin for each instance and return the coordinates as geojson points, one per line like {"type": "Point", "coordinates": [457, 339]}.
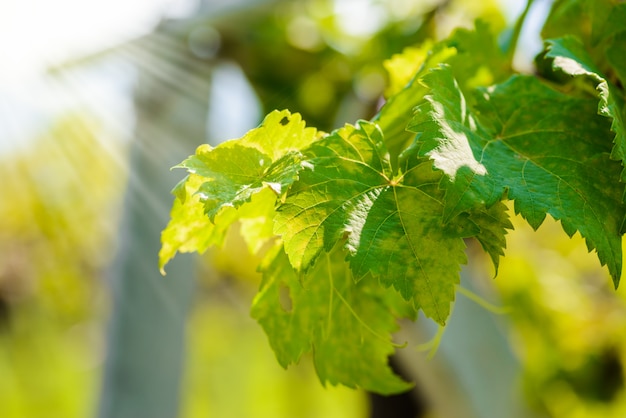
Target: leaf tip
{"type": "Point", "coordinates": [616, 280]}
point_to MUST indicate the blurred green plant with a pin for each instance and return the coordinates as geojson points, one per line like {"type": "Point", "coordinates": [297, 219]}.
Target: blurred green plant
{"type": "Point", "coordinates": [565, 324]}
{"type": "Point", "coordinates": [57, 223]}
{"type": "Point", "coordinates": [323, 58]}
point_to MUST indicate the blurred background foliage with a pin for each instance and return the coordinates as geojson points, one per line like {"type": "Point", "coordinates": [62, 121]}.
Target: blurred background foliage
{"type": "Point", "coordinates": [567, 323]}
{"type": "Point", "coordinates": [57, 219]}
{"type": "Point", "coordinates": [63, 197]}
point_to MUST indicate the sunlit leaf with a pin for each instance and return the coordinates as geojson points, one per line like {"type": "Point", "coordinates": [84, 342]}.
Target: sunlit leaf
{"type": "Point", "coordinates": [393, 225]}
{"type": "Point", "coordinates": [227, 177]}
{"type": "Point", "coordinates": [546, 149]}
{"type": "Point", "coordinates": [569, 56]}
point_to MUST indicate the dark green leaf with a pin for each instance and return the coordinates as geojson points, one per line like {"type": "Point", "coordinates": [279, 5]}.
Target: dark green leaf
{"type": "Point", "coordinates": [543, 147]}
{"type": "Point", "coordinates": [570, 57]}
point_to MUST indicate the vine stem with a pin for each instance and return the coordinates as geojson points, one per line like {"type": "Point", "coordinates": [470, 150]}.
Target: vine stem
{"type": "Point", "coordinates": [498, 310]}
{"type": "Point", "coordinates": [432, 345]}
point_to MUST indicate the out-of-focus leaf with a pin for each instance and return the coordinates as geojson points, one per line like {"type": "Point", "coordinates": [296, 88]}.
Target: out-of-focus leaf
{"type": "Point", "coordinates": [346, 325]}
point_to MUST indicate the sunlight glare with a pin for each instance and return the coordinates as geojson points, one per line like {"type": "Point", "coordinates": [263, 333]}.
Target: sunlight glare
{"type": "Point", "coordinates": [36, 35]}
{"type": "Point", "coordinates": [360, 18]}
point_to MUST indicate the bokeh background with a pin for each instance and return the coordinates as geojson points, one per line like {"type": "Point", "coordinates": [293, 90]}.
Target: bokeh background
{"type": "Point", "coordinates": [99, 99]}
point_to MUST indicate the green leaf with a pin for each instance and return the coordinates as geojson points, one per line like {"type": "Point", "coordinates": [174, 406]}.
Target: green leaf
{"type": "Point", "coordinates": [608, 19]}
{"type": "Point", "coordinates": [613, 32]}
{"type": "Point", "coordinates": [589, 21]}
{"type": "Point", "coordinates": [313, 216]}
{"type": "Point", "coordinates": [267, 156]}
{"type": "Point", "coordinates": [403, 67]}
{"type": "Point", "coordinates": [479, 61]}
{"type": "Point", "coordinates": [229, 176]}
{"type": "Point", "coordinates": [392, 224]}
{"type": "Point", "coordinates": [236, 170]}
{"type": "Point", "coordinates": [570, 57]}
{"type": "Point", "coordinates": [616, 55]}
{"type": "Point", "coordinates": [256, 220]}
{"type": "Point", "coordinates": [492, 223]}
{"type": "Point", "coordinates": [280, 133]}
{"type": "Point", "coordinates": [546, 149]}
{"type": "Point", "coordinates": [569, 17]}
{"type": "Point", "coordinates": [403, 242]}
{"type": "Point", "coordinates": [397, 112]}
{"type": "Point", "coordinates": [346, 325]}
{"type": "Point", "coordinates": [371, 219]}
{"type": "Point", "coordinates": [473, 56]}
{"type": "Point", "coordinates": [240, 172]}
{"type": "Point", "coordinates": [189, 230]}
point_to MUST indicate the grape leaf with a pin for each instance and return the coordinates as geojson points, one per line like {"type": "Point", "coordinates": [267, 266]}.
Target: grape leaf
{"type": "Point", "coordinates": [372, 218]}
{"type": "Point", "coordinates": [266, 156]}
{"type": "Point", "coordinates": [593, 22]}
{"type": "Point", "coordinates": [616, 55]}
{"type": "Point", "coordinates": [230, 175]}
{"type": "Point", "coordinates": [392, 224]}
{"type": "Point", "coordinates": [488, 224]}
{"type": "Point", "coordinates": [396, 113]}
{"type": "Point", "coordinates": [492, 223]}
{"type": "Point", "coordinates": [608, 19]}
{"type": "Point", "coordinates": [479, 61]}
{"type": "Point", "coordinates": [346, 325]}
{"type": "Point", "coordinates": [473, 56]}
{"type": "Point", "coordinates": [280, 133]}
{"type": "Point", "coordinates": [402, 67]}
{"type": "Point", "coordinates": [315, 204]}
{"type": "Point", "coordinates": [570, 57]}
{"type": "Point", "coordinates": [569, 17]}
{"type": "Point", "coordinates": [256, 219]}
{"type": "Point", "coordinates": [189, 230]}
{"type": "Point", "coordinates": [613, 31]}
{"type": "Point", "coordinates": [542, 147]}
